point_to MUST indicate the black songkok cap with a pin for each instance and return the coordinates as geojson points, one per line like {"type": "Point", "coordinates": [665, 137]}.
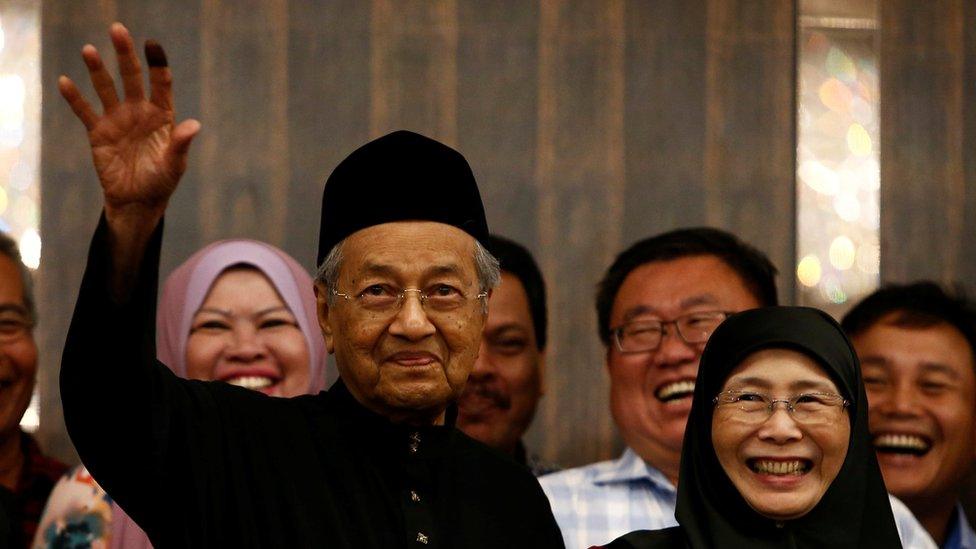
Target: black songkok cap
{"type": "Point", "coordinates": [401, 176]}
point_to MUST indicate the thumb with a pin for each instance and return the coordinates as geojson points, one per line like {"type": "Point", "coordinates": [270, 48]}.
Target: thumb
{"type": "Point", "coordinates": [179, 144]}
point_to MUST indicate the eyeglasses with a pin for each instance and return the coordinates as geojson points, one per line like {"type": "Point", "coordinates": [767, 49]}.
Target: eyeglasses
{"type": "Point", "coordinates": [641, 336]}
{"type": "Point", "coordinates": [386, 299]}
{"type": "Point", "coordinates": [13, 326]}
{"type": "Point", "coordinates": [805, 408]}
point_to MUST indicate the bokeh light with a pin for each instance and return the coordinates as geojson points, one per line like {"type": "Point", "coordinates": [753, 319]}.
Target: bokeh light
{"type": "Point", "coordinates": [838, 171]}
{"type": "Point", "coordinates": [808, 271]}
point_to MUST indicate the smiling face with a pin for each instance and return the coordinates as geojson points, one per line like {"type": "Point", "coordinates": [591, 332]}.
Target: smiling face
{"type": "Point", "coordinates": [922, 407]}
{"type": "Point", "coordinates": [244, 334]}
{"type": "Point", "coordinates": [409, 363]}
{"type": "Point", "coordinates": [18, 356]}
{"type": "Point", "coordinates": [650, 392]}
{"type": "Point", "coordinates": [781, 467]}
{"type": "Point", "coordinates": [500, 397]}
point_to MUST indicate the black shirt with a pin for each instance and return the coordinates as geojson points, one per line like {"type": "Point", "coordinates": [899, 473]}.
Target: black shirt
{"type": "Point", "coordinates": [206, 464]}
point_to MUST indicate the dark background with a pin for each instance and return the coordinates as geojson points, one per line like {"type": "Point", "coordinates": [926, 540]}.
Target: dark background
{"type": "Point", "coordinates": [589, 124]}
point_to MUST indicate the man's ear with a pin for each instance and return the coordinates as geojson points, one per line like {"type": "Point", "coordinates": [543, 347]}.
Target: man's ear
{"type": "Point", "coordinates": [323, 310]}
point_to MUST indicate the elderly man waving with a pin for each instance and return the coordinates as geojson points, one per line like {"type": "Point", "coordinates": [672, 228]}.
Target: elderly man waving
{"type": "Point", "coordinates": [372, 462]}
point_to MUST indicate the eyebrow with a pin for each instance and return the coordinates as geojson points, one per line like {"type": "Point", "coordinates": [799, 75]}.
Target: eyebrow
{"type": "Point", "coordinates": [687, 303]}
{"type": "Point", "coordinates": [799, 385]}
{"type": "Point", "coordinates": [223, 312]}
{"type": "Point", "coordinates": [434, 270]}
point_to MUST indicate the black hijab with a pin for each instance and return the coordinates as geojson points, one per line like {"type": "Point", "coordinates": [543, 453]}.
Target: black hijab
{"type": "Point", "coordinates": [855, 510]}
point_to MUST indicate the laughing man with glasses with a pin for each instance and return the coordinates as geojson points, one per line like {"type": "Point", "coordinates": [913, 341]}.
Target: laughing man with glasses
{"type": "Point", "coordinates": [657, 305]}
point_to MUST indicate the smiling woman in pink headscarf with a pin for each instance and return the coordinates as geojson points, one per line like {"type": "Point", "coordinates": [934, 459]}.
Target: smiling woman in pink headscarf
{"type": "Point", "coordinates": [238, 311]}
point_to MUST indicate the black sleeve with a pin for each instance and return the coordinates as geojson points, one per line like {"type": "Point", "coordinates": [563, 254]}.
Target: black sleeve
{"type": "Point", "coordinates": [150, 438]}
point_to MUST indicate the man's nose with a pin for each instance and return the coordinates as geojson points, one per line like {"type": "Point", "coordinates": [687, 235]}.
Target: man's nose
{"type": "Point", "coordinates": [899, 398]}
{"type": "Point", "coordinates": [673, 350]}
{"type": "Point", "coordinates": [411, 321]}
{"type": "Point", "coordinates": [484, 365]}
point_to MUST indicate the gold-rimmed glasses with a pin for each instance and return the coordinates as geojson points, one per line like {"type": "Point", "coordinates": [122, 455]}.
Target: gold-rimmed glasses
{"type": "Point", "coordinates": [385, 299]}
{"type": "Point", "coordinates": [807, 408]}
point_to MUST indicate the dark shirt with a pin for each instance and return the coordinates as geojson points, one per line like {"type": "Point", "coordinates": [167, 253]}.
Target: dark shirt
{"type": "Point", "coordinates": [37, 478]}
{"type": "Point", "coordinates": [204, 464]}
{"type": "Point", "coordinates": [532, 462]}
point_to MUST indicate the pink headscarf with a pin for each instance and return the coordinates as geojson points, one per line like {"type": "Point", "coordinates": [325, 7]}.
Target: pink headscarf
{"type": "Point", "coordinates": [183, 293]}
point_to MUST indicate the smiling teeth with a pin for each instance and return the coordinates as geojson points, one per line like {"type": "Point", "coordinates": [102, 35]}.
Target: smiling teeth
{"type": "Point", "coordinates": [780, 467]}
{"type": "Point", "coordinates": [252, 382]}
{"type": "Point", "coordinates": [676, 390]}
{"type": "Point", "coordinates": [897, 442]}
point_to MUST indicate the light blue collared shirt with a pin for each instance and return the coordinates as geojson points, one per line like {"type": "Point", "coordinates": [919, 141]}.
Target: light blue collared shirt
{"type": "Point", "coordinates": [595, 504]}
{"type": "Point", "coordinates": [961, 536]}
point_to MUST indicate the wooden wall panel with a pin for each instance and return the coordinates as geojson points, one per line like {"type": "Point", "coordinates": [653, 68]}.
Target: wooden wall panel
{"type": "Point", "coordinates": [927, 200]}
{"type": "Point", "coordinates": [70, 195]}
{"type": "Point", "coordinates": [580, 175]}
{"type": "Point", "coordinates": [244, 98]}
{"type": "Point", "coordinates": [497, 103]}
{"type": "Point", "coordinates": [750, 140]}
{"type": "Point", "coordinates": [414, 68]}
{"type": "Point", "coordinates": [329, 93]}
{"type": "Point", "coordinates": [664, 119]}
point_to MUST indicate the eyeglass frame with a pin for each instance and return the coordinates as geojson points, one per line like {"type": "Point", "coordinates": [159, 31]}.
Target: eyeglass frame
{"type": "Point", "coordinates": [790, 403]}
{"type": "Point", "coordinates": [615, 332]}
{"type": "Point", "coordinates": [401, 299]}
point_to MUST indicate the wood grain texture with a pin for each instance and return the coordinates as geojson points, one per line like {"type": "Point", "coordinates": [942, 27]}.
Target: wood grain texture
{"type": "Point", "coordinates": [497, 105]}
{"type": "Point", "coordinates": [414, 68]}
{"type": "Point", "coordinates": [580, 176]}
{"type": "Point", "coordinates": [244, 95]}
{"type": "Point", "coordinates": [750, 139]}
{"type": "Point", "coordinates": [927, 199]}
{"type": "Point", "coordinates": [70, 194]}
{"type": "Point", "coordinates": [664, 121]}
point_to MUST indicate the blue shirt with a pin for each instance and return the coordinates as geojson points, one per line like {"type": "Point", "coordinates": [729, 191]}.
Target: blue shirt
{"type": "Point", "coordinates": [961, 535]}
{"type": "Point", "coordinates": [598, 503]}
{"type": "Point", "coordinates": [595, 504]}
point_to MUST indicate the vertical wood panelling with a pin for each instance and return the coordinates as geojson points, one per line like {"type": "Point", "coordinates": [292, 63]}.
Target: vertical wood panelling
{"type": "Point", "coordinates": [328, 98]}
{"type": "Point", "coordinates": [750, 137]}
{"type": "Point", "coordinates": [175, 24]}
{"type": "Point", "coordinates": [664, 122]}
{"type": "Point", "coordinates": [497, 95]}
{"type": "Point", "coordinates": [925, 206]}
{"type": "Point", "coordinates": [579, 171]}
{"type": "Point", "coordinates": [70, 194]}
{"type": "Point", "coordinates": [244, 151]}
{"type": "Point", "coordinates": [414, 68]}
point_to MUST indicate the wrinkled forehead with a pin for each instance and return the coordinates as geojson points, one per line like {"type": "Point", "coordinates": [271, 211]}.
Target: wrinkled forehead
{"type": "Point", "coordinates": [409, 248]}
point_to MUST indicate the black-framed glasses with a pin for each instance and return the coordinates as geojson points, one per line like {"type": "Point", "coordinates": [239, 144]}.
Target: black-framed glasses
{"type": "Point", "coordinates": [385, 299]}
{"type": "Point", "coordinates": [807, 408]}
{"type": "Point", "coordinates": [641, 336]}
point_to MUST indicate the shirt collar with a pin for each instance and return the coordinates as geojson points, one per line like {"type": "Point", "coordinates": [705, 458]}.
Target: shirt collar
{"type": "Point", "coordinates": [631, 468]}
{"type": "Point", "coordinates": [962, 535]}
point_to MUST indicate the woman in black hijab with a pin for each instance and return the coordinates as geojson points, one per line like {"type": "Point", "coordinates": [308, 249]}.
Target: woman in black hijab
{"type": "Point", "coordinates": [803, 475]}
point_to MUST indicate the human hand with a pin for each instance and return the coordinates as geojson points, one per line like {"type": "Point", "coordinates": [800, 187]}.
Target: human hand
{"type": "Point", "coordinates": [139, 153]}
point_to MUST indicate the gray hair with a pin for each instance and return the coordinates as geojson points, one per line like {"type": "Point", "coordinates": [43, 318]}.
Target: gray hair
{"type": "Point", "coordinates": [489, 271]}
{"type": "Point", "coordinates": [9, 248]}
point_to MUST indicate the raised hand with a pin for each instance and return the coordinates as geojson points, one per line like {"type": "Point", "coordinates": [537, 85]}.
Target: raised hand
{"type": "Point", "coordinates": [139, 153]}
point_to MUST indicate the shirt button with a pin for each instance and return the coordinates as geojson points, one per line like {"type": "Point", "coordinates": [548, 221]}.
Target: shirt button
{"type": "Point", "coordinates": [414, 497]}
{"type": "Point", "coordinates": [421, 538]}
{"type": "Point", "coordinates": [414, 442]}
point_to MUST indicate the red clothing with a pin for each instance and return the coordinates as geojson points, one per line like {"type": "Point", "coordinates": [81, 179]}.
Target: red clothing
{"type": "Point", "coordinates": [37, 479]}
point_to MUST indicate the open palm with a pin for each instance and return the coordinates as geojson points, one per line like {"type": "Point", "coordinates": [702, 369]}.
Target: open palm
{"type": "Point", "coordinates": [139, 153]}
